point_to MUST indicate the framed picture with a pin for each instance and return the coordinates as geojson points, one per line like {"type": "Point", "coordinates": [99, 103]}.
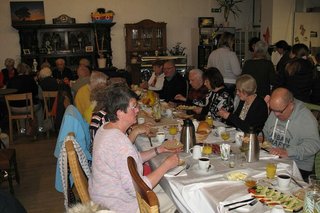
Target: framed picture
{"type": "Point", "coordinates": [27, 13]}
{"type": "Point", "coordinates": [89, 49]}
{"type": "Point", "coordinates": [205, 22]}
{"type": "Point", "coordinates": [26, 51]}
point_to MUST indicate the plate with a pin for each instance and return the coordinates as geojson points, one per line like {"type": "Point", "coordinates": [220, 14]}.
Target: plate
{"type": "Point", "coordinates": [237, 175]}
{"type": "Point", "coordinates": [196, 169]}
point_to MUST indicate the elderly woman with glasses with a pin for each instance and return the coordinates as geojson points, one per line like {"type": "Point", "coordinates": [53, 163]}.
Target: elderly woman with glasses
{"type": "Point", "coordinates": [252, 110]}
{"type": "Point", "coordinates": [110, 184]}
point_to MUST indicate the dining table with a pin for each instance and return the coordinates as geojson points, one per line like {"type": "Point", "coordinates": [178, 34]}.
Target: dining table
{"type": "Point", "coordinates": [195, 190]}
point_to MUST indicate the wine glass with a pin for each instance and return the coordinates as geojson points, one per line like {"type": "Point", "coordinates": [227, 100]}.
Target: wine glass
{"type": "Point", "coordinates": [173, 130]}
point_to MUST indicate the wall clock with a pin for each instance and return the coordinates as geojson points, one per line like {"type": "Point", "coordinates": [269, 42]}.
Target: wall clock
{"type": "Point", "coordinates": [64, 19]}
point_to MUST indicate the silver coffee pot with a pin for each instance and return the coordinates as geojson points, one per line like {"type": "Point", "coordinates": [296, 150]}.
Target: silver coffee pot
{"type": "Point", "coordinates": [187, 138]}
{"type": "Point", "coordinates": [251, 146]}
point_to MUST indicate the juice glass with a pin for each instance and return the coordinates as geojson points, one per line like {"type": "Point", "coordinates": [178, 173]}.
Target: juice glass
{"type": "Point", "coordinates": [271, 169]}
{"type": "Point", "coordinates": [207, 149]}
{"type": "Point", "coordinates": [225, 135]}
{"type": "Point", "coordinates": [173, 130]}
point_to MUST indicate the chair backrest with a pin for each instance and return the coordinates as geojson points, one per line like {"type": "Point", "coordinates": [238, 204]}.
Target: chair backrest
{"type": "Point", "coordinates": [147, 199]}
{"type": "Point", "coordinates": [79, 178]}
{"type": "Point", "coordinates": [27, 97]}
{"type": "Point", "coordinates": [48, 98]}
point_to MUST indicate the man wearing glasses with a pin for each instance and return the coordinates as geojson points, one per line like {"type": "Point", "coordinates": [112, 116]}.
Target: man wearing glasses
{"type": "Point", "coordinates": [293, 130]}
{"type": "Point", "coordinates": [173, 84]}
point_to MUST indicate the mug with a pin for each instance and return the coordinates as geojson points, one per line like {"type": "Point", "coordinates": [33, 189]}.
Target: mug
{"type": "Point", "coordinates": [204, 163]}
{"type": "Point", "coordinates": [160, 136]}
{"type": "Point", "coordinates": [238, 138]}
{"type": "Point", "coordinates": [141, 120]}
{"type": "Point", "coordinates": [284, 180]}
{"type": "Point", "coordinates": [169, 113]}
{"type": "Point", "coordinates": [221, 129]}
{"type": "Point", "coordinates": [196, 152]}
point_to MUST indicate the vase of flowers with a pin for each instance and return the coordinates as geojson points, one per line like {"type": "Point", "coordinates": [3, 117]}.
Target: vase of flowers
{"type": "Point", "coordinates": [229, 6]}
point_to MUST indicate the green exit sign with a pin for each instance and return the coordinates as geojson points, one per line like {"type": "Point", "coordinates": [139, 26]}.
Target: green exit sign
{"type": "Point", "coordinates": [215, 10]}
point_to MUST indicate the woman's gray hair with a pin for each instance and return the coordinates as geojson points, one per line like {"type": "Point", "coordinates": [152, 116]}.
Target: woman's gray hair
{"type": "Point", "coordinates": [24, 69]}
{"type": "Point", "coordinates": [246, 84]}
{"type": "Point", "coordinates": [98, 79]}
{"type": "Point", "coordinates": [45, 72]}
{"type": "Point", "coordinates": [261, 49]}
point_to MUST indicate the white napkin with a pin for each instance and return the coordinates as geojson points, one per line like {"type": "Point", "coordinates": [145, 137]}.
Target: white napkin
{"type": "Point", "coordinates": [174, 171]}
{"type": "Point", "coordinates": [265, 155]}
{"type": "Point", "coordinates": [222, 209]}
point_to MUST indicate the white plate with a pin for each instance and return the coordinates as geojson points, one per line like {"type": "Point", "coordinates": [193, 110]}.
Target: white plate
{"type": "Point", "coordinates": [245, 172]}
{"type": "Point", "coordinates": [196, 169]}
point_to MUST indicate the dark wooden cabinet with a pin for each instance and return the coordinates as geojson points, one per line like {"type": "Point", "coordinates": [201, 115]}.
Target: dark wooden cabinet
{"type": "Point", "coordinates": [47, 42]}
{"type": "Point", "coordinates": [145, 38]}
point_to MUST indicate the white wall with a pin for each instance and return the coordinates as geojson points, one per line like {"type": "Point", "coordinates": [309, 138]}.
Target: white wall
{"type": "Point", "coordinates": [181, 17]}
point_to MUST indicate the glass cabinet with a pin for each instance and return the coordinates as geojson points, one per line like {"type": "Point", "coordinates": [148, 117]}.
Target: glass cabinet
{"type": "Point", "coordinates": [145, 38]}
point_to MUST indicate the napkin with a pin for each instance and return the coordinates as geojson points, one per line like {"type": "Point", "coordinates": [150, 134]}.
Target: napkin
{"type": "Point", "coordinates": [265, 155]}
{"type": "Point", "coordinates": [236, 198]}
{"type": "Point", "coordinates": [174, 171]}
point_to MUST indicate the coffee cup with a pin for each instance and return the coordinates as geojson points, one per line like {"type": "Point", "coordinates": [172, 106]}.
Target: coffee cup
{"type": "Point", "coordinates": [238, 138]}
{"type": "Point", "coordinates": [204, 163]}
{"type": "Point", "coordinates": [141, 120]}
{"type": "Point", "coordinates": [196, 152]}
{"type": "Point", "coordinates": [221, 129]}
{"type": "Point", "coordinates": [160, 136]}
{"type": "Point", "coordinates": [284, 181]}
{"type": "Point", "coordinates": [169, 113]}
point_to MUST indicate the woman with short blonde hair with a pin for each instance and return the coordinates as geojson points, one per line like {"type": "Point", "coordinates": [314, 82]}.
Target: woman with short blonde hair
{"type": "Point", "coordinates": [246, 84]}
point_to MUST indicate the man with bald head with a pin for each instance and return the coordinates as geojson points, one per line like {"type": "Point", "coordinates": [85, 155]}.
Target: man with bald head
{"type": "Point", "coordinates": [198, 90]}
{"type": "Point", "coordinates": [293, 130]}
{"type": "Point", "coordinates": [61, 72]}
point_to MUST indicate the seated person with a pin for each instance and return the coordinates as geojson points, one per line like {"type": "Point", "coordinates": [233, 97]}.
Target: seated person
{"type": "Point", "coordinates": [46, 81]}
{"type": "Point", "coordinates": [83, 73]}
{"type": "Point", "coordinates": [252, 110]}
{"type": "Point", "coordinates": [8, 72]}
{"type": "Point", "coordinates": [82, 98]}
{"type": "Point", "coordinates": [174, 83]}
{"type": "Point", "coordinates": [85, 62]}
{"type": "Point", "coordinates": [25, 83]}
{"type": "Point", "coordinates": [198, 91]}
{"type": "Point", "coordinates": [218, 96]}
{"type": "Point", "coordinates": [110, 184]}
{"type": "Point", "coordinates": [61, 72]}
{"type": "Point", "coordinates": [157, 78]}
{"type": "Point", "coordinates": [293, 130]}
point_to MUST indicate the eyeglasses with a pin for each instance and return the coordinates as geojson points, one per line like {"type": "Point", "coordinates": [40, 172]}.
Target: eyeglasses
{"type": "Point", "coordinates": [280, 111]}
{"type": "Point", "coordinates": [168, 68]}
{"type": "Point", "coordinates": [136, 106]}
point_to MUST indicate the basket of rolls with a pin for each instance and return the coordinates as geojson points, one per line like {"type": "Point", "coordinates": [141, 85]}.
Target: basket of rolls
{"type": "Point", "coordinates": [203, 131]}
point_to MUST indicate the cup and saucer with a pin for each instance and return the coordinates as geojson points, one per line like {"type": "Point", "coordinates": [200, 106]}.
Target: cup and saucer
{"type": "Point", "coordinates": [203, 167]}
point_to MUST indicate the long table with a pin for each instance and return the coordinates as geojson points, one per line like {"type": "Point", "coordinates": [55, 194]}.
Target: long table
{"type": "Point", "coordinates": [198, 191]}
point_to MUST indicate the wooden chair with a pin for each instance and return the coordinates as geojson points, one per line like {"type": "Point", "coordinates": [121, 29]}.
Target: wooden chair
{"type": "Point", "coordinates": [147, 200]}
{"type": "Point", "coordinates": [8, 163]}
{"type": "Point", "coordinates": [48, 99]}
{"type": "Point", "coordinates": [79, 178]}
{"type": "Point", "coordinates": [28, 114]}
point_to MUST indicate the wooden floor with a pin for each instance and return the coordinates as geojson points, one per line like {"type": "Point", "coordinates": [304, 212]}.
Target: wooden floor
{"type": "Point", "coordinates": [37, 167]}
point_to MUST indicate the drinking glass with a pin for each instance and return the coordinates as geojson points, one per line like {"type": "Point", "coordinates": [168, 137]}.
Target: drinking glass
{"type": "Point", "coordinates": [225, 135]}
{"type": "Point", "coordinates": [271, 169]}
{"type": "Point", "coordinates": [173, 130]}
{"type": "Point", "coordinates": [207, 149]}
{"type": "Point", "coordinates": [232, 160]}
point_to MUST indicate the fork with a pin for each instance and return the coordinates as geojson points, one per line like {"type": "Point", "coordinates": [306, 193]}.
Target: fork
{"type": "Point", "coordinates": [252, 203]}
{"type": "Point", "coordinates": [185, 168]}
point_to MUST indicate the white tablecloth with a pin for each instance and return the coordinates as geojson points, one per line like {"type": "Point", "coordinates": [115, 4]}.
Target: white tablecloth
{"type": "Point", "coordinates": [202, 192]}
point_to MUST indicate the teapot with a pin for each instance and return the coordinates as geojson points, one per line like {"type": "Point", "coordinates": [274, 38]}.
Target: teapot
{"type": "Point", "coordinates": [187, 138]}
{"type": "Point", "coordinates": [250, 146]}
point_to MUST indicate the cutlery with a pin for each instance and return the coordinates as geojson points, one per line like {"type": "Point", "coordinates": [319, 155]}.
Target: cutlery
{"type": "Point", "coordinates": [251, 204]}
{"type": "Point", "coordinates": [208, 168]}
{"type": "Point", "coordinates": [241, 201]}
{"type": "Point", "coordinates": [184, 168]}
{"type": "Point", "coordinates": [265, 150]}
{"type": "Point", "coordinates": [150, 140]}
{"type": "Point", "coordinates": [296, 182]}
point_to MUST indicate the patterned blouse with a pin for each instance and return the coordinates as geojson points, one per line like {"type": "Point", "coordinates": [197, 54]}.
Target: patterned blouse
{"type": "Point", "coordinates": [217, 100]}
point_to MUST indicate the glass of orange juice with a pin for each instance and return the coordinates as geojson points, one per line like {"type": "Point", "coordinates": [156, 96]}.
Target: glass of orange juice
{"type": "Point", "coordinates": [271, 169]}
{"type": "Point", "coordinates": [207, 149]}
{"type": "Point", "coordinates": [225, 135]}
{"type": "Point", "coordinates": [173, 130]}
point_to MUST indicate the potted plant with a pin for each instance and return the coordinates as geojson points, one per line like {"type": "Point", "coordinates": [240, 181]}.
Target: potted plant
{"type": "Point", "coordinates": [229, 6]}
{"type": "Point", "coordinates": [177, 50]}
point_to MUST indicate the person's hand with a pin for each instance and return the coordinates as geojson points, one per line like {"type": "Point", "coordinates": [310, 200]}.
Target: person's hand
{"type": "Point", "coordinates": [172, 161]}
{"type": "Point", "coordinates": [180, 97]}
{"type": "Point", "coordinates": [223, 113]}
{"type": "Point", "coordinates": [144, 85]}
{"type": "Point", "coordinates": [279, 151]}
{"type": "Point", "coordinates": [197, 110]}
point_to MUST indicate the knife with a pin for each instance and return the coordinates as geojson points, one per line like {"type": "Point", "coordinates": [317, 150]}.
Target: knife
{"type": "Point", "coordinates": [242, 201]}
{"type": "Point", "coordinates": [252, 203]}
{"type": "Point", "coordinates": [150, 140]}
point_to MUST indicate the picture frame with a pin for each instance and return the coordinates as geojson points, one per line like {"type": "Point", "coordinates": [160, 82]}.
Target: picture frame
{"type": "Point", "coordinates": [27, 13]}
{"type": "Point", "coordinates": [206, 22]}
{"type": "Point", "coordinates": [89, 49]}
{"type": "Point", "coordinates": [26, 51]}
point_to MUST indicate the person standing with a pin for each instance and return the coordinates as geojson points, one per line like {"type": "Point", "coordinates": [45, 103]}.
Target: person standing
{"type": "Point", "coordinates": [225, 60]}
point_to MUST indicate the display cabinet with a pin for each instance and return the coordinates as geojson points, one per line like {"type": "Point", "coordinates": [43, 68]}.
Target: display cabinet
{"type": "Point", "coordinates": [145, 38]}
{"type": "Point", "coordinates": [47, 42]}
